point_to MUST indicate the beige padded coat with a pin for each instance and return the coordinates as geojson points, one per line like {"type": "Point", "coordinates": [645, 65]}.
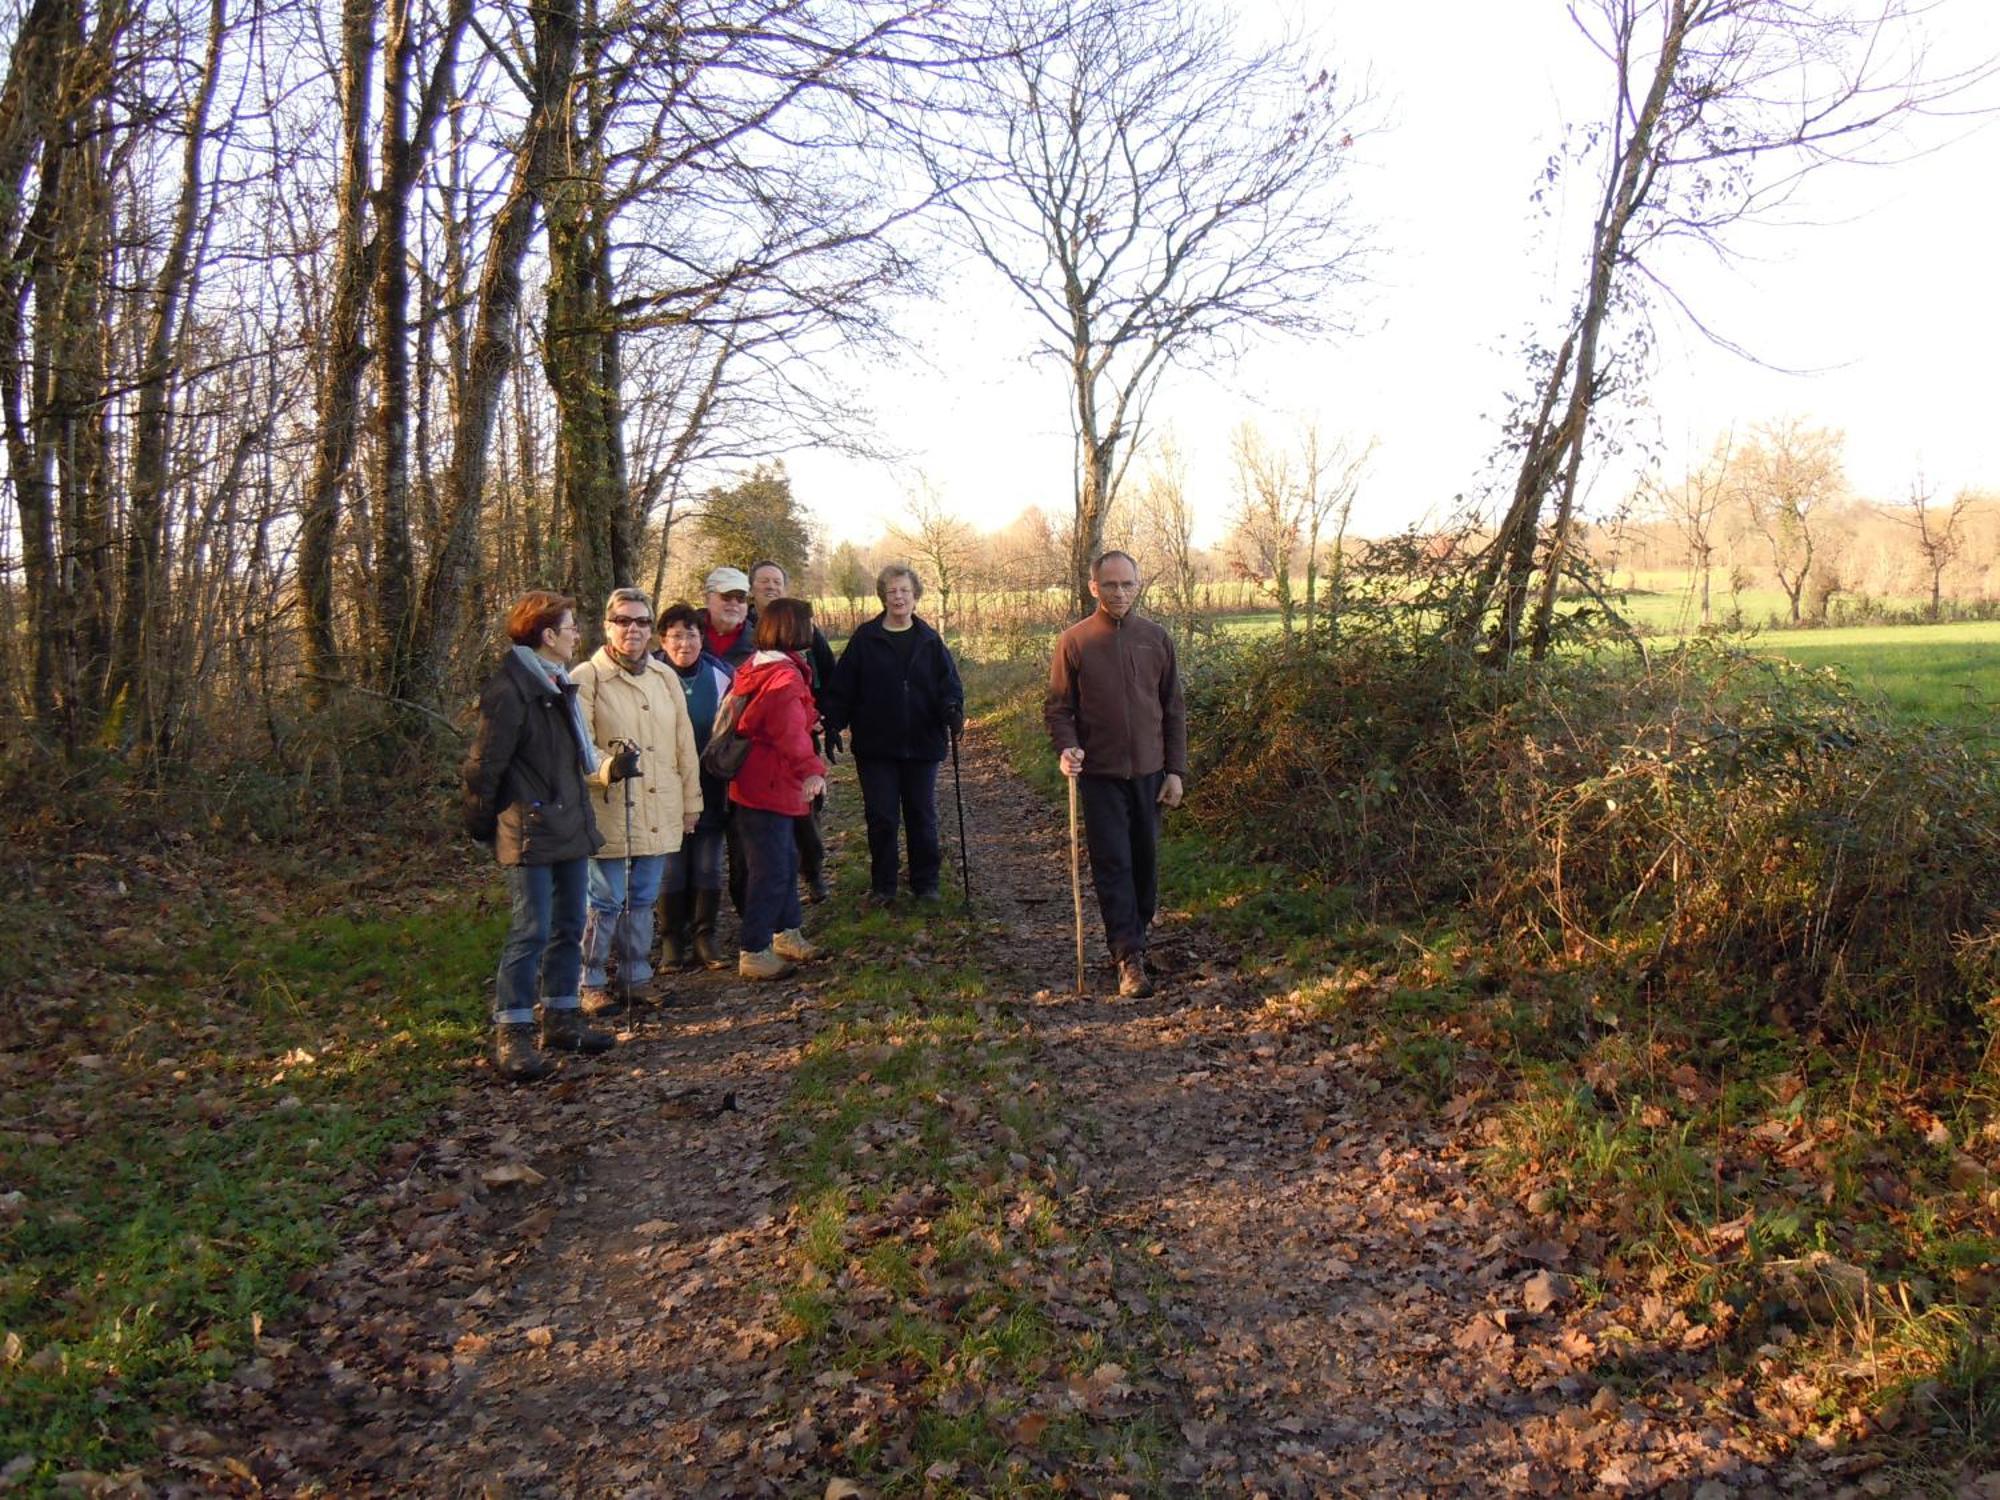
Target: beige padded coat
{"type": "Point", "coordinates": [650, 711]}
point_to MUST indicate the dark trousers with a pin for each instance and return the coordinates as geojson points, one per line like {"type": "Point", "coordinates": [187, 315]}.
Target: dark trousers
{"type": "Point", "coordinates": [771, 877]}
{"type": "Point", "coordinates": [806, 842]}
{"type": "Point", "coordinates": [1121, 824]}
{"type": "Point", "coordinates": [904, 791]}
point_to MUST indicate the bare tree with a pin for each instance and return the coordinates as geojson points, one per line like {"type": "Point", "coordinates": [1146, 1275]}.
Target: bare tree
{"type": "Point", "coordinates": [1163, 525]}
{"type": "Point", "coordinates": [938, 544]}
{"type": "Point", "coordinates": [1692, 507]}
{"type": "Point", "coordinates": [1264, 543]}
{"type": "Point", "coordinates": [1940, 538]}
{"type": "Point", "coordinates": [1330, 479]}
{"type": "Point", "coordinates": [1790, 476]}
{"type": "Point", "coordinates": [1154, 190]}
{"type": "Point", "coordinates": [1716, 112]}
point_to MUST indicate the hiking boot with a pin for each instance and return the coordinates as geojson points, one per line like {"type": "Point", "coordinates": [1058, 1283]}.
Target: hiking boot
{"type": "Point", "coordinates": [677, 931]}
{"type": "Point", "coordinates": [601, 1003]}
{"type": "Point", "coordinates": [706, 952]}
{"type": "Point", "coordinates": [516, 1056]}
{"type": "Point", "coordinates": [1133, 982]}
{"type": "Point", "coordinates": [765, 965]}
{"type": "Point", "coordinates": [929, 900]}
{"type": "Point", "coordinates": [816, 888]}
{"type": "Point", "coordinates": [792, 944]}
{"type": "Point", "coordinates": [566, 1030]}
{"type": "Point", "coordinates": [879, 901]}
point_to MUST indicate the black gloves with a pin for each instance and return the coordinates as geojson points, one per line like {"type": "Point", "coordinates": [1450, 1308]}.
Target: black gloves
{"type": "Point", "coordinates": [625, 762]}
{"type": "Point", "coordinates": [954, 719]}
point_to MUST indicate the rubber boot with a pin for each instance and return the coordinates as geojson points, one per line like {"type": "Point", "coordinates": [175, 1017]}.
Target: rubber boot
{"type": "Point", "coordinates": [566, 1031]}
{"type": "Point", "coordinates": [707, 952]}
{"type": "Point", "coordinates": [516, 1055]}
{"type": "Point", "coordinates": [677, 930]}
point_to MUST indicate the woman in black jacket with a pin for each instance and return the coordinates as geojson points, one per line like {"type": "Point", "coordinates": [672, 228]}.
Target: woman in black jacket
{"type": "Point", "coordinates": [897, 696]}
{"type": "Point", "coordinates": [525, 795]}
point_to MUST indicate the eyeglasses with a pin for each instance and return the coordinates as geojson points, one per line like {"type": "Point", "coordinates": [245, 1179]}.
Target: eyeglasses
{"type": "Point", "coordinates": [630, 622]}
{"type": "Point", "coordinates": [736, 596]}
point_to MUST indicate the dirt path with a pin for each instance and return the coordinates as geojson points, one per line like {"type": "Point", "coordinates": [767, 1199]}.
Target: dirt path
{"type": "Point", "coordinates": [1329, 1303]}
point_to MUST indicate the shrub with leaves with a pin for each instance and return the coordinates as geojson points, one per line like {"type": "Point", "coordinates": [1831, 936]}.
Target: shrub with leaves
{"type": "Point", "coordinates": [1720, 820]}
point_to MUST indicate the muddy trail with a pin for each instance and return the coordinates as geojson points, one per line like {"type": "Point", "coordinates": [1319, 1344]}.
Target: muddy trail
{"type": "Point", "coordinates": [576, 1289]}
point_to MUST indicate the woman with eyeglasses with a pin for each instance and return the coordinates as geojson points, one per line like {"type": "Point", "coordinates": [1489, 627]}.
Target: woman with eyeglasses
{"type": "Point", "coordinates": [647, 799]}
{"type": "Point", "coordinates": [526, 795]}
{"type": "Point", "coordinates": [695, 875]}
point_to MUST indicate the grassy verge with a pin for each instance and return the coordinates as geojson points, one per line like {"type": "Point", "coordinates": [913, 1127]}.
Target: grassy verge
{"type": "Point", "coordinates": [218, 1063]}
{"type": "Point", "coordinates": [942, 1290]}
{"type": "Point", "coordinates": [1822, 1217]}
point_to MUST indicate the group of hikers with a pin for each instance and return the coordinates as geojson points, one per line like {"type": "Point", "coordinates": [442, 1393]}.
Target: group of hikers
{"type": "Point", "coordinates": [688, 756]}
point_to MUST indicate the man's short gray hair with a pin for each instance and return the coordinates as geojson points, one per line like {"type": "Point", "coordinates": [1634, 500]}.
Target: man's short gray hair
{"type": "Point", "coordinates": [898, 570]}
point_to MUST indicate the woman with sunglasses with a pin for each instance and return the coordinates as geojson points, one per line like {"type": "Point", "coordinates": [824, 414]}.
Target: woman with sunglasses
{"type": "Point", "coordinates": [639, 721]}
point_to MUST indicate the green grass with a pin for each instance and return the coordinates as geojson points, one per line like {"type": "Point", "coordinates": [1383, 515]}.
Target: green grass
{"type": "Point", "coordinates": [181, 1161]}
{"type": "Point", "coordinates": [1950, 673]}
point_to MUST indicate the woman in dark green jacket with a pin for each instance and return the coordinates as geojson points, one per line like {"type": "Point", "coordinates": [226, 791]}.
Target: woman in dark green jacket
{"type": "Point", "coordinates": [524, 795]}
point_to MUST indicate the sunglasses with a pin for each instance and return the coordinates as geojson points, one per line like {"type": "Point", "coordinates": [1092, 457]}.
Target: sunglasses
{"type": "Point", "coordinates": [629, 622]}
{"type": "Point", "coordinates": [736, 596]}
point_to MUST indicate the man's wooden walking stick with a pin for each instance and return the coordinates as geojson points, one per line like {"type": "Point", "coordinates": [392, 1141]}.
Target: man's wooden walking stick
{"type": "Point", "coordinates": [1076, 884]}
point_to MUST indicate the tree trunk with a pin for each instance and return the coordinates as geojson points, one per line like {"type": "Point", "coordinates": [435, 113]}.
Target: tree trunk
{"type": "Point", "coordinates": [137, 667]}
{"type": "Point", "coordinates": [492, 353]}
{"type": "Point", "coordinates": [394, 584]}
{"type": "Point", "coordinates": [345, 355]}
{"type": "Point", "coordinates": [581, 360]}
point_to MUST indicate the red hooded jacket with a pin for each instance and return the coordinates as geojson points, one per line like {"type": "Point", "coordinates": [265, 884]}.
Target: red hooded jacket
{"type": "Point", "coordinates": [778, 722]}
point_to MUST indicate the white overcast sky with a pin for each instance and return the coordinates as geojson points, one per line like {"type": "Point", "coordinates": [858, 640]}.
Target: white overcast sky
{"type": "Point", "coordinates": [1891, 299]}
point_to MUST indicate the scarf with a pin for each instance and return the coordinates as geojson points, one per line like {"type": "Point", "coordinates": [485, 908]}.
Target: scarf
{"type": "Point", "coordinates": [558, 679]}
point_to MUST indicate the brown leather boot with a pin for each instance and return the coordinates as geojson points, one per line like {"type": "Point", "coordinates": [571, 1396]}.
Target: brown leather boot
{"type": "Point", "coordinates": [516, 1055]}
{"type": "Point", "coordinates": [566, 1030]}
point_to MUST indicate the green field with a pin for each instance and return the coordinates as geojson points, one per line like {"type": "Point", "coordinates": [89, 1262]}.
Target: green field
{"type": "Point", "coordinates": [1947, 672]}
{"type": "Point", "coordinates": [1950, 672]}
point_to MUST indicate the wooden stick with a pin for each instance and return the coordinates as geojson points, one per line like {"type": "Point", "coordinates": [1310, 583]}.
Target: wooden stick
{"type": "Point", "coordinates": [1076, 884]}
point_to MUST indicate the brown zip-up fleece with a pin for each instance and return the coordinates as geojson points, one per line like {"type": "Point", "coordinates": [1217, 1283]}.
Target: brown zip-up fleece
{"type": "Point", "coordinates": [1115, 692]}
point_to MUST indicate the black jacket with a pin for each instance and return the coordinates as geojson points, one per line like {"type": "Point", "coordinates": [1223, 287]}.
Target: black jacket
{"type": "Point", "coordinates": [524, 791]}
{"type": "Point", "coordinates": [888, 714]}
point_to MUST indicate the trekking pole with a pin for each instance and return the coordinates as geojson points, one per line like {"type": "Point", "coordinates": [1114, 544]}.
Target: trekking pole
{"type": "Point", "coordinates": [958, 790]}
{"type": "Point", "coordinates": [1076, 884]}
{"type": "Point", "coordinates": [625, 908]}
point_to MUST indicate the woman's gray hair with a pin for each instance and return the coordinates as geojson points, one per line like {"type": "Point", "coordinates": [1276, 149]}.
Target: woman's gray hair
{"type": "Point", "coordinates": [626, 596]}
{"type": "Point", "coordinates": [898, 570]}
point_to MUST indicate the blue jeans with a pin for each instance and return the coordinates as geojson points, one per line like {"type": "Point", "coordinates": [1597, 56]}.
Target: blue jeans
{"type": "Point", "coordinates": [902, 791]}
{"type": "Point", "coordinates": [771, 877]}
{"type": "Point", "coordinates": [697, 864]}
{"type": "Point", "coordinates": [543, 954]}
{"type": "Point", "coordinates": [612, 925]}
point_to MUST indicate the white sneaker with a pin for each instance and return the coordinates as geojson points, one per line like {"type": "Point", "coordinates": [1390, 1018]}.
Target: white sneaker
{"type": "Point", "coordinates": [792, 944]}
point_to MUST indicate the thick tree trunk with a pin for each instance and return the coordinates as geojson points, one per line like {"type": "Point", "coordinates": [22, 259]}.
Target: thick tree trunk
{"type": "Point", "coordinates": [581, 360]}
{"type": "Point", "coordinates": [394, 585]}
{"type": "Point", "coordinates": [345, 355]}
{"type": "Point", "coordinates": [492, 354]}
{"type": "Point", "coordinates": [137, 668]}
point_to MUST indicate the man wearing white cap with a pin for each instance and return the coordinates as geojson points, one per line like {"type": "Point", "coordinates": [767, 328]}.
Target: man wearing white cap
{"type": "Point", "coordinates": [725, 623]}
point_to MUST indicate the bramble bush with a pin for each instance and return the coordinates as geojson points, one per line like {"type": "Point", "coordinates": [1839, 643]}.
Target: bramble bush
{"type": "Point", "coordinates": [1725, 824]}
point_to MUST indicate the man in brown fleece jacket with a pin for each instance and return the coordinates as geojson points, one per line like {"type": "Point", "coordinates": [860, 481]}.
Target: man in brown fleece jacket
{"type": "Point", "coordinates": [1115, 715]}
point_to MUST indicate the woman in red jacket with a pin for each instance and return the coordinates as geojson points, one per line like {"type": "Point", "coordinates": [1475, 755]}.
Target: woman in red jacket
{"type": "Point", "coordinates": [779, 778]}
